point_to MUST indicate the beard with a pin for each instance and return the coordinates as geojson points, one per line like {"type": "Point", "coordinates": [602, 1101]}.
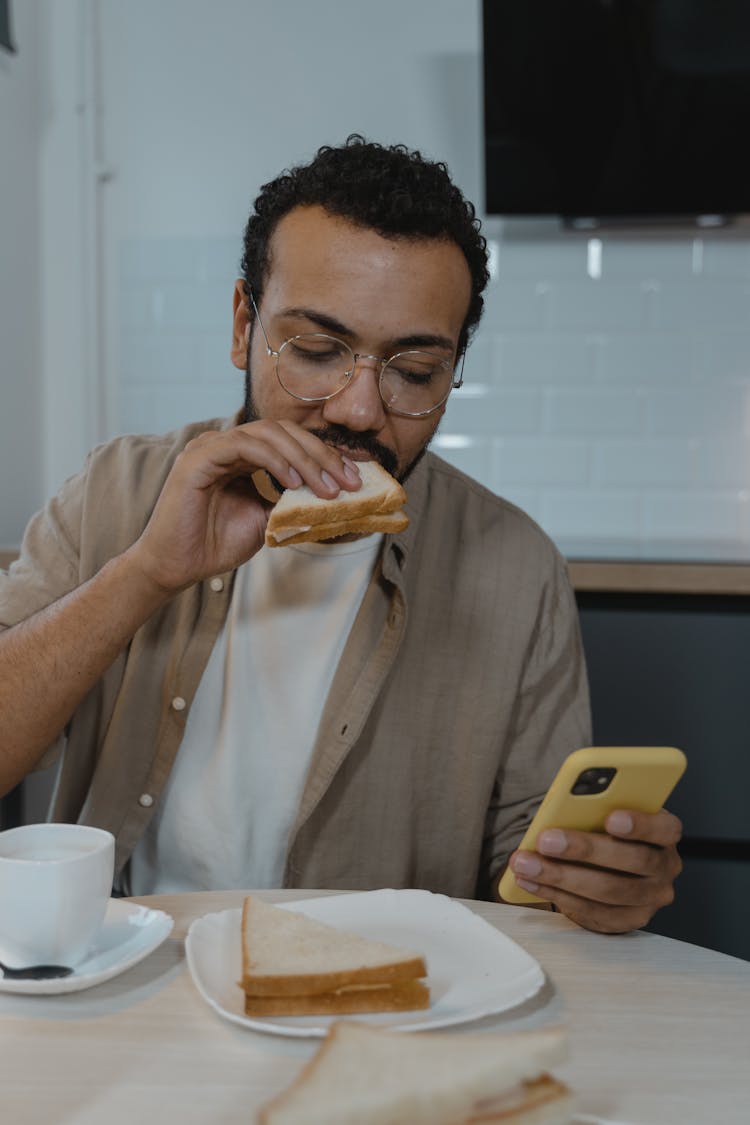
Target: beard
{"type": "Point", "coordinates": [357, 441]}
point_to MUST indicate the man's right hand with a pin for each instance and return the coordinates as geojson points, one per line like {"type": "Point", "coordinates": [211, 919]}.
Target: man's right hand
{"type": "Point", "coordinates": [210, 517]}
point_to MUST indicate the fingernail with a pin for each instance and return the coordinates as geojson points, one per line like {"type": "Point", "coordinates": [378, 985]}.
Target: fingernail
{"type": "Point", "coordinates": [351, 472]}
{"type": "Point", "coordinates": [552, 842]}
{"type": "Point", "coordinates": [620, 822]}
{"type": "Point", "coordinates": [328, 480]}
{"type": "Point", "coordinates": [525, 864]}
{"type": "Point", "coordinates": [532, 888]}
{"type": "Point", "coordinates": [295, 477]}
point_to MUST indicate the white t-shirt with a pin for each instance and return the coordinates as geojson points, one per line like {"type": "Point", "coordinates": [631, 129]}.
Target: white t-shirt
{"type": "Point", "coordinates": [232, 797]}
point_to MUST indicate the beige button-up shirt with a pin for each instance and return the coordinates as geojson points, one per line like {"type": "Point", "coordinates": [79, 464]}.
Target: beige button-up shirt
{"type": "Point", "coordinates": [461, 687]}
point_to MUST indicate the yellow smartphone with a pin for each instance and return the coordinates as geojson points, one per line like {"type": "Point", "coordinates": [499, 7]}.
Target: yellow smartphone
{"type": "Point", "coordinates": [589, 785]}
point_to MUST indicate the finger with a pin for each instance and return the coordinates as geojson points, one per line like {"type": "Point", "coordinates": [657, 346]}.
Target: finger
{"type": "Point", "coordinates": [600, 917]}
{"type": "Point", "coordinates": [241, 451]}
{"type": "Point", "coordinates": [218, 456]}
{"type": "Point", "coordinates": [598, 849]}
{"type": "Point", "coordinates": [662, 828]}
{"type": "Point", "coordinates": [596, 884]}
{"type": "Point", "coordinates": [321, 466]}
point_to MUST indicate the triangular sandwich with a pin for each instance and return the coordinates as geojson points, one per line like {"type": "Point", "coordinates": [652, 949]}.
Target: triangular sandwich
{"type": "Point", "coordinates": [300, 516]}
{"type": "Point", "coordinates": [295, 965]}
{"type": "Point", "coordinates": [362, 1075]}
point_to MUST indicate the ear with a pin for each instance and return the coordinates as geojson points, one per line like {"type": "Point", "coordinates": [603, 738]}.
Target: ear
{"type": "Point", "coordinates": [241, 321]}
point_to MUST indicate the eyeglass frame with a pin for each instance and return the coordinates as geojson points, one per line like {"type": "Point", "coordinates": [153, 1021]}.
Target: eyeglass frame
{"type": "Point", "coordinates": [384, 363]}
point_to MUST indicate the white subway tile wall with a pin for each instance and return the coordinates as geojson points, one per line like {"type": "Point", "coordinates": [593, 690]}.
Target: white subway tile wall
{"type": "Point", "coordinates": [607, 391]}
{"type": "Point", "coordinates": [175, 323]}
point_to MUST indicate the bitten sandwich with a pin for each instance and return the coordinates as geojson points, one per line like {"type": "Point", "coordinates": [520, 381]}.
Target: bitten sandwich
{"type": "Point", "coordinates": [362, 1075]}
{"type": "Point", "coordinates": [293, 965]}
{"type": "Point", "coordinates": [302, 517]}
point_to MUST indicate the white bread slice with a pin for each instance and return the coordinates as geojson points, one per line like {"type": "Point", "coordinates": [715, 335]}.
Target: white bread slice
{"type": "Point", "coordinates": [285, 953]}
{"type": "Point", "coordinates": [362, 1075]}
{"type": "Point", "coordinates": [299, 510]}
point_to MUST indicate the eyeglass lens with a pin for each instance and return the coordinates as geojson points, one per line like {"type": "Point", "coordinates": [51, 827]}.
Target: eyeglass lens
{"type": "Point", "coordinates": [315, 367]}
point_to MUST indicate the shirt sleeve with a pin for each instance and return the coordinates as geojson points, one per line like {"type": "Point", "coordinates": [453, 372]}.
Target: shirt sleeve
{"type": "Point", "coordinates": [48, 562]}
{"type": "Point", "coordinates": [47, 568]}
{"type": "Point", "coordinates": [552, 718]}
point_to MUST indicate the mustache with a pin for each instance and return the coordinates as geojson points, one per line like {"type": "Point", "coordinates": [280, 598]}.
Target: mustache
{"type": "Point", "coordinates": [358, 443]}
{"type": "Point", "coordinates": [334, 434]}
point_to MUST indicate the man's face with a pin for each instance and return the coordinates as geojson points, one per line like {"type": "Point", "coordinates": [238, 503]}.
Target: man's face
{"type": "Point", "coordinates": [380, 295]}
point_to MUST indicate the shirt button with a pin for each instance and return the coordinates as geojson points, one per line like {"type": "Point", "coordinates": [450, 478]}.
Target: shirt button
{"type": "Point", "coordinates": [146, 800]}
{"type": "Point", "coordinates": [217, 585]}
{"type": "Point", "coordinates": [178, 703]}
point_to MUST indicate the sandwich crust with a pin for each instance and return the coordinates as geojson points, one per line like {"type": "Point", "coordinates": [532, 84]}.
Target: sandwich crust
{"type": "Point", "coordinates": [409, 997]}
{"type": "Point", "coordinates": [265, 486]}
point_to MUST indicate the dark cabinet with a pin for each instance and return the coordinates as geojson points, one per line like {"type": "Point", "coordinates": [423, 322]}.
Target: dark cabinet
{"type": "Point", "coordinates": [675, 670]}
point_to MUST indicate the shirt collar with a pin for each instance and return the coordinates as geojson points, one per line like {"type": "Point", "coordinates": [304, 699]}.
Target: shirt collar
{"type": "Point", "coordinates": [398, 547]}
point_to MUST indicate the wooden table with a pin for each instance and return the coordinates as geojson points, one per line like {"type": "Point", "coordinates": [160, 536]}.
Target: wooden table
{"type": "Point", "coordinates": [659, 1033]}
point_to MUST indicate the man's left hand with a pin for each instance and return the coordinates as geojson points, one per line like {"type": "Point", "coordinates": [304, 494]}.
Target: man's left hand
{"type": "Point", "coordinates": [612, 881]}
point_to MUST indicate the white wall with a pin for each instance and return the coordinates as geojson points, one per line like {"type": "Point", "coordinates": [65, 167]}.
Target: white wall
{"type": "Point", "coordinates": [221, 104]}
{"type": "Point", "coordinates": [616, 390]}
{"type": "Point", "coordinates": [20, 379]}
{"type": "Point", "coordinates": [608, 390]}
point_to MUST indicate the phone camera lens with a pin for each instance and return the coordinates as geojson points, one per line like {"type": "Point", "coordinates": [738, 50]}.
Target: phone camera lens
{"type": "Point", "coordinates": [592, 781]}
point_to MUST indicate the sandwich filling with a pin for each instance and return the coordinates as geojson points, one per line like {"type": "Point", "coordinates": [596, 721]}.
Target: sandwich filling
{"type": "Point", "coordinates": [525, 1096]}
{"type": "Point", "coordinates": [284, 533]}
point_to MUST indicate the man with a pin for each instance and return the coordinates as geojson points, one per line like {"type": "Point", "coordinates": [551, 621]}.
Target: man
{"type": "Point", "coordinates": [387, 711]}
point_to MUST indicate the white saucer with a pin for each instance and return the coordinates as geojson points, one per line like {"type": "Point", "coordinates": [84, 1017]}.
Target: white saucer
{"type": "Point", "coordinates": [129, 933]}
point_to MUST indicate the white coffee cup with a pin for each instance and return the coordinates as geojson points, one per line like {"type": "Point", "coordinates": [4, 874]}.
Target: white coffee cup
{"type": "Point", "coordinates": [55, 884]}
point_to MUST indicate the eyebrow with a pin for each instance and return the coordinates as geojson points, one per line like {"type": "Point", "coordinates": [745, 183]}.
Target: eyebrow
{"type": "Point", "coordinates": [331, 324]}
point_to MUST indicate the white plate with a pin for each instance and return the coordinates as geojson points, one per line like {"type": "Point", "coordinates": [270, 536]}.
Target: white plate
{"type": "Point", "coordinates": [473, 969]}
{"type": "Point", "coordinates": [129, 933]}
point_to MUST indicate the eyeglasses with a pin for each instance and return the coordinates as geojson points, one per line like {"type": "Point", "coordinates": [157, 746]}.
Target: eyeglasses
{"type": "Point", "coordinates": [314, 367]}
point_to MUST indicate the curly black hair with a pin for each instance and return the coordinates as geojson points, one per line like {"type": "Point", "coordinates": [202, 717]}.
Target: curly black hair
{"type": "Point", "coordinates": [391, 189]}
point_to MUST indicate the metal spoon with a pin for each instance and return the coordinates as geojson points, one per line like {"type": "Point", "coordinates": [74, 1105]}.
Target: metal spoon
{"type": "Point", "coordinates": [35, 972]}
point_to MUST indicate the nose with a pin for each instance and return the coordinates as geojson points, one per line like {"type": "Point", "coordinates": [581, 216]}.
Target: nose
{"type": "Point", "coordinates": [359, 405]}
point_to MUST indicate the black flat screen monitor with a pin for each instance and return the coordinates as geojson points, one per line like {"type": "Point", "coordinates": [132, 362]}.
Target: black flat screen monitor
{"type": "Point", "coordinates": [617, 109]}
